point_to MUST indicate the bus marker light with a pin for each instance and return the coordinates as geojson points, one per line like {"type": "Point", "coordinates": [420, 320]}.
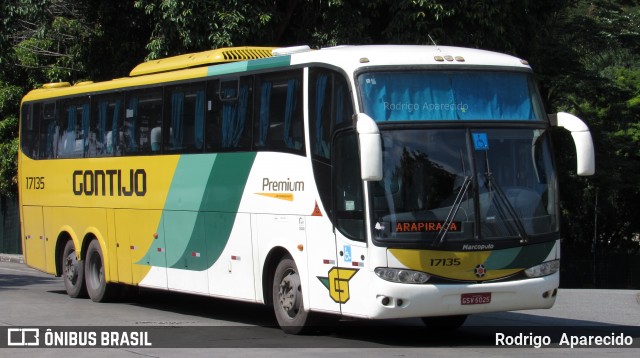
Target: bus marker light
{"type": "Point", "coordinates": [155, 235]}
{"type": "Point", "coordinates": [133, 247]}
{"type": "Point", "coordinates": [329, 262]}
{"type": "Point", "coordinates": [235, 258]}
{"type": "Point", "coordinates": [300, 247]}
{"type": "Point", "coordinates": [160, 249]}
{"type": "Point", "coordinates": [195, 254]}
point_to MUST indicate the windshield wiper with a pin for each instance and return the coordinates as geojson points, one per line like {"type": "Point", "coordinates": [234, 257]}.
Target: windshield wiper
{"type": "Point", "coordinates": [503, 202]}
{"type": "Point", "coordinates": [454, 210]}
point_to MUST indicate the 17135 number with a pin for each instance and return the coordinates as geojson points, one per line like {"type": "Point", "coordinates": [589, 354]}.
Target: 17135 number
{"type": "Point", "coordinates": [36, 183]}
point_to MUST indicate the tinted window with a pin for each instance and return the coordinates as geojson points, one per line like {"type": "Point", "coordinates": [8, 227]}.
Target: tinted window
{"type": "Point", "coordinates": [74, 119]}
{"type": "Point", "coordinates": [232, 132]}
{"type": "Point", "coordinates": [29, 131]}
{"type": "Point", "coordinates": [184, 127]}
{"type": "Point", "coordinates": [143, 114]}
{"type": "Point", "coordinates": [50, 129]}
{"type": "Point", "coordinates": [330, 107]}
{"type": "Point", "coordinates": [104, 138]}
{"type": "Point", "coordinates": [278, 124]}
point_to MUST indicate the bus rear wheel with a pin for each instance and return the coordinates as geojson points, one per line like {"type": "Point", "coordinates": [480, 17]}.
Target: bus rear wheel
{"type": "Point", "coordinates": [97, 287]}
{"type": "Point", "coordinates": [287, 298]}
{"type": "Point", "coordinates": [73, 272]}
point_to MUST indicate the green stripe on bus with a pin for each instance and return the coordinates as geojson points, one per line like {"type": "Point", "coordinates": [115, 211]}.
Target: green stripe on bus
{"type": "Point", "coordinates": [236, 67]}
{"type": "Point", "coordinates": [217, 213]}
{"type": "Point", "coordinates": [201, 209]}
{"type": "Point", "coordinates": [519, 257]}
{"type": "Point", "coordinates": [226, 68]}
{"type": "Point", "coordinates": [270, 62]}
{"type": "Point", "coordinates": [183, 202]}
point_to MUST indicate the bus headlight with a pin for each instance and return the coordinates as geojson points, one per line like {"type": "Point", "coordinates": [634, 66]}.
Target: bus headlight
{"type": "Point", "coordinates": [402, 275]}
{"type": "Point", "coordinates": [544, 269]}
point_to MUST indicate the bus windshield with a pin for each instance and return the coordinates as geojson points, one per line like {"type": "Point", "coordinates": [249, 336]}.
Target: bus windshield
{"type": "Point", "coordinates": [449, 95]}
{"type": "Point", "coordinates": [461, 185]}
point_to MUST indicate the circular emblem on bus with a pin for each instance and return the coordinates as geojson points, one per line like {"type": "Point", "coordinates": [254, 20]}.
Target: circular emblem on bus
{"type": "Point", "coordinates": [480, 271]}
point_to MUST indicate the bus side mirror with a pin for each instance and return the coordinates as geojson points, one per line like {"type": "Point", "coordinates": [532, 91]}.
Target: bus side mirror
{"type": "Point", "coordinates": [370, 148]}
{"type": "Point", "coordinates": [586, 160]}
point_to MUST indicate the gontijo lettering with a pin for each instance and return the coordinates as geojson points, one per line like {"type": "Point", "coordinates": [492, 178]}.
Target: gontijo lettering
{"type": "Point", "coordinates": [110, 182]}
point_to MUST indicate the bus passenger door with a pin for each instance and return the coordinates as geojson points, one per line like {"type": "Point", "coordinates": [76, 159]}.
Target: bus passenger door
{"type": "Point", "coordinates": [349, 282]}
{"type": "Point", "coordinates": [34, 238]}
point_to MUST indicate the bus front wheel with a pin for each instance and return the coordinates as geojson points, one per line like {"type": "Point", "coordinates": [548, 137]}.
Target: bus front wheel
{"type": "Point", "coordinates": [97, 287]}
{"type": "Point", "coordinates": [73, 272]}
{"type": "Point", "coordinates": [287, 297]}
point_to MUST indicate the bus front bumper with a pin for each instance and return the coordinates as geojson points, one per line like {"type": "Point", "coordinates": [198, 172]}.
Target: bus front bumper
{"type": "Point", "coordinates": [397, 300]}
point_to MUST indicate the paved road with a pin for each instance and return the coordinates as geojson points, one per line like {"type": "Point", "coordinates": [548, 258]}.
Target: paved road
{"type": "Point", "coordinates": [31, 299]}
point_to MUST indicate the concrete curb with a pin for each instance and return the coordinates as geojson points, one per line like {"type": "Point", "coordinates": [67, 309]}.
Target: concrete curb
{"type": "Point", "coordinates": [19, 259]}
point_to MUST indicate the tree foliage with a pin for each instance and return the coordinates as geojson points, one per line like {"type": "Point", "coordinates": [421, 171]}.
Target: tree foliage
{"type": "Point", "coordinates": [585, 54]}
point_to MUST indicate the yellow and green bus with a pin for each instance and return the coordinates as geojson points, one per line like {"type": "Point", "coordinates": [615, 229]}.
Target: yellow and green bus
{"type": "Point", "coordinates": [358, 181]}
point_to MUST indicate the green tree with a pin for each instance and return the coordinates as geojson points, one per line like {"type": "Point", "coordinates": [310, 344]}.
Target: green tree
{"type": "Point", "coordinates": [603, 38]}
{"type": "Point", "coordinates": [585, 54]}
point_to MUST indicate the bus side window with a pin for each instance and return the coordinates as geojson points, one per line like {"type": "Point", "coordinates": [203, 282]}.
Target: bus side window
{"type": "Point", "coordinates": [349, 207]}
{"type": "Point", "coordinates": [236, 98]}
{"type": "Point", "coordinates": [278, 122]}
{"type": "Point", "coordinates": [184, 124]}
{"type": "Point", "coordinates": [142, 114]}
{"type": "Point", "coordinates": [29, 130]}
{"type": "Point", "coordinates": [213, 117]}
{"type": "Point", "coordinates": [105, 121]}
{"type": "Point", "coordinates": [45, 115]}
{"type": "Point", "coordinates": [330, 107]}
{"type": "Point", "coordinates": [73, 120]}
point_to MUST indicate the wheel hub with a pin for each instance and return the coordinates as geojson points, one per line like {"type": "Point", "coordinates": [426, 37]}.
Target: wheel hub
{"type": "Point", "coordinates": [71, 266]}
{"type": "Point", "coordinates": [288, 294]}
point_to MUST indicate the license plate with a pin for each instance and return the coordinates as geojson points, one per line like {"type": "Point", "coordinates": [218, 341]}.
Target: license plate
{"type": "Point", "coordinates": [475, 298]}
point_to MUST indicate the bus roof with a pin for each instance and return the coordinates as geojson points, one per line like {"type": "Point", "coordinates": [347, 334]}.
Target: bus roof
{"type": "Point", "coordinates": [244, 59]}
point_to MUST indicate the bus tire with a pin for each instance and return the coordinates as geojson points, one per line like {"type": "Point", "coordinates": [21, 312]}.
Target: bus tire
{"type": "Point", "coordinates": [97, 287]}
{"type": "Point", "coordinates": [445, 322]}
{"type": "Point", "coordinates": [287, 297]}
{"type": "Point", "coordinates": [73, 272]}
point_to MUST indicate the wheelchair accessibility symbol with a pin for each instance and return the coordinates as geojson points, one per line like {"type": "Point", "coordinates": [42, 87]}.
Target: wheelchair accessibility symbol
{"type": "Point", "coordinates": [480, 141]}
